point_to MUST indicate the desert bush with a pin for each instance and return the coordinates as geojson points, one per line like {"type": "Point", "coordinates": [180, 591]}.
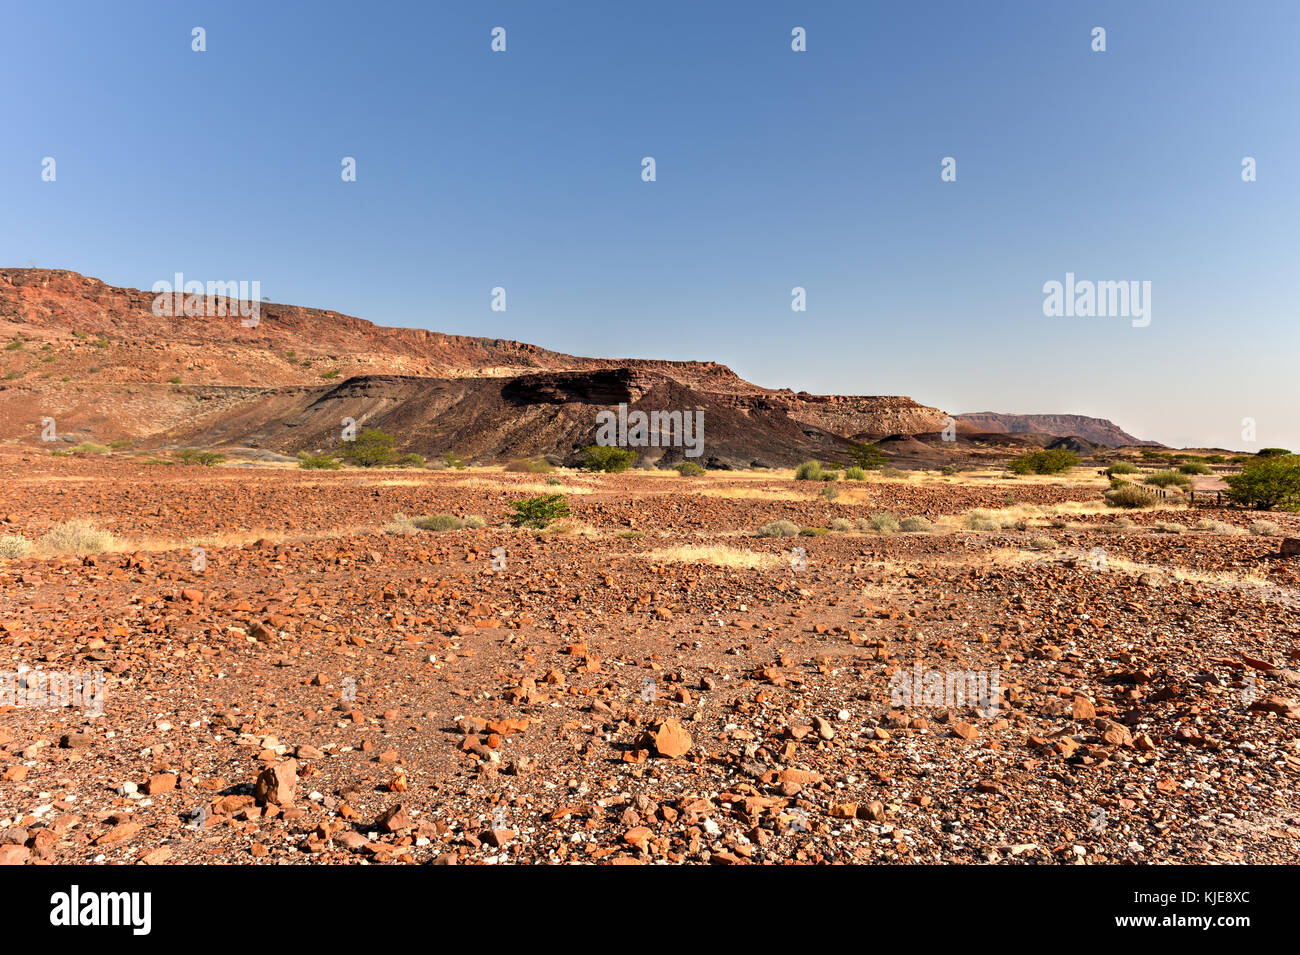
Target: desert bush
{"type": "Point", "coordinates": [1167, 479]}
{"type": "Point", "coordinates": [883, 523]}
{"type": "Point", "coordinates": [318, 462]}
{"type": "Point", "coordinates": [1121, 467]}
{"type": "Point", "coordinates": [813, 531]}
{"type": "Point", "coordinates": [1215, 459]}
{"type": "Point", "coordinates": [1272, 453]}
{"type": "Point", "coordinates": [982, 520]}
{"type": "Point", "coordinates": [915, 525]}
{"type": "Point", "coordinates": [1194, 467]}
{"type": "Point", "coordinates": [529, 466]}
{"type": "Point", "coordinates": [830, 492]}
{"type": "Point", "coordinates": [453, 460]}
{"type": "Point", "coordinates": [780, 528]}
{"type": "Point", "coordinates": [1266, 483]}
{"type": "Point", "coordinates": [842, 525]}
{"type": "Point", "coordinates": [439, 522]}
{"type": "Point", "coordinates": [76, 537]}
{"type": "Point", "coordinates": [950, 470]}
{"type": "Point", "coordinates": [554, 481]}
{"type": "Point", "coordinates": [89, 447]}
{"type": "Point", "coordinates": [608, 459]}
{"type": "Point", "coordinates": [1060, 523]}
{"type": "Point", "coordinates": [1217, 527]}
{"type": "Point", "coordinates": [538, 512]}
{"type": "Point", "coordinates": [1042, 543]}
{"type": "Point", "coordinates": [1168, 527]}
{"type": "Point", "coordinates": [411, 460]}
{"type": "Point", "coordinates": [855, 474]}
{"type": "Point", "coordinates": [473, 521]}
{"type": "Point", "coordinates": [12, 545]}
{"type": "Point", "coordinates": [1130, 495]}
{"type": "Point", "coordinates": [1265, 529]}
{"type": "Point", "coordinates": [193, 456]}
{"type": "Point", "coordinates": [809, 471]}
{"type": "Point", "coordinates": [689, 469]}
{"type": "Point", "coordinates": [400, 524]}
{"type": "Point", "coordinates": [894, 473]}
{"type": "Point", "coordinates": [867, 456]}
{"type": "Point", "coordinates": [372, 448]}
{"type": "Point", "coordinates": [1056, 461]}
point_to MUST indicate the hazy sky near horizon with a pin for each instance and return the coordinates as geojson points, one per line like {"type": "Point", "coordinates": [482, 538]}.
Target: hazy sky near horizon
{"type": "Point", "coordinates": [774, 169]}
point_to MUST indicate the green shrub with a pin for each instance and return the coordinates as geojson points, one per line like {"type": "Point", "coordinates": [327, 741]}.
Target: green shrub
{"type": "Point", "coordinates": [15, 345]}
{"type": "Point", "coordinates": [411, 460]}
{"type": "Point", "coordinates": [809, 471]}
{"type": "Point", "coordinates": [370, 449]}
{"type": "Point", "coordinates": [538, 512]}
{"type": "Point", "coordinates": [454, 460]}
{"type": "Point", "coordinates": [331, 374]}
{"type": "Point", "coordinates": [1130, 495]}
{"type": "Point", "coordinates": [830, 493]}
{"type": "Point", "coordinates": [950, 470]}
{"type": "Point", "coordinates": [893, 473]}
{"type": "Point", "coordinates": [883, 523]}
{"type": "Point", "coordinates": [89, 447]}
{"type": "Point", "coordinates": [318, 462]}
{"type": "Point", "coordinates": [855, 474]}
{"type": "Point", "coordinates": [1215, 459]}
{"type": "Point", "coordinates": [1121, 467]}
{"type": "Point", "coordinates": [689, 469]}
{"type": "Point", "coordinates": [1272, 453]}
{"type": "Point", "coordinates": [1194, 467]}
{"type": "Point", "coordinates": [867, 456]}
{"type": "Point", "coordinates": [439, 522]}
{"type": "Point", "coordinates": [1056, 461]}
{"type": "Point", "coordinates": [915, 525]}
{"type": "Point", "coordinates": [608, 458]}
{"type": "Point", "coordinates": [780, 528]}
{"type": "Point", "coordinates": [813, 531]}
{"type": "Point", "coordinates": [1266, 483]}
{"type": "Point", "coordinates": [193, 456]}
{"type": "Point", "coordinates": [1167, 479]}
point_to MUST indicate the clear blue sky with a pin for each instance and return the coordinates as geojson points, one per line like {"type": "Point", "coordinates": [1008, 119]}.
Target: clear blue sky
{"type": "Point", "coordinates": [775, 169]}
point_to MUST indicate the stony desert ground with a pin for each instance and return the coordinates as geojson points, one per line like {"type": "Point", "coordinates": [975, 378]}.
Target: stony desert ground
{"type": "Point", "coordinates": [647, 682]}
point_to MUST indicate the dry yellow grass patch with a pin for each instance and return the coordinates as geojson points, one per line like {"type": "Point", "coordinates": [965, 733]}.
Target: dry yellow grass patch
{"type": "Point", "coordinates": [717, 555]}
{"type": "Point", "coordinates": [752, 493]}
{"type": "Point", "coordinates": [530, 488]}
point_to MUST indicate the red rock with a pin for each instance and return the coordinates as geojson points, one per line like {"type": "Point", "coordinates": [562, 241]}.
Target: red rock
{"type": "Point", "coordinates": [161, 783]}
{"type": "Point", "coordinates": [276, 784]}
{"type": "Point", "coordinates": [670, 739]}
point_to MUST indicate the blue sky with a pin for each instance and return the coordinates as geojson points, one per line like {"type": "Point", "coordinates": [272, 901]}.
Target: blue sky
{"type": "Point", "coordinates": [775, 169]}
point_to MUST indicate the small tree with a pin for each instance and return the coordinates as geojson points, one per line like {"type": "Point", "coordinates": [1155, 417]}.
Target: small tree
{"type": "Point", "coordinates": [1055, 461]}
{"type": "Point", "coordinates": [867, 456]}
{"type": "Point", "coordinates": [689, 469]}
{"type": "Point", "coordinates": [609, 459]}
{"type": "Point", "coordinates": [537, 512]}
{"type": "Point", "coordinates": [370, 449]}
{"type": "Point", "coordinates": [1268, 482]}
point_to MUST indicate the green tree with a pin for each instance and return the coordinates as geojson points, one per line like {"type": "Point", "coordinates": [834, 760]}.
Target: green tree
{"type": "Point", "coordinates": [867, 456]}
{"type": "Point", "coordinates": [538, 512]}
{"type": "Point", "coordinates": [611, 460]}
{"type": "Point", "coordinates": [370, 449]}
{"type": "Point", "coordinates": [1268, 482]}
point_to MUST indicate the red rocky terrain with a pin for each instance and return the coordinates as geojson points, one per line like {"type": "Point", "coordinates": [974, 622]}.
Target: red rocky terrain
{"type": "Point", "coordinates": [328, 691]}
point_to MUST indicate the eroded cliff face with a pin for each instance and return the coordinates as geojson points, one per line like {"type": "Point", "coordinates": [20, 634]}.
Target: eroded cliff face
{"type": "Point", "coordinates": [132, 373]}
{"type": "Point", "coordinates": [1097, 430]}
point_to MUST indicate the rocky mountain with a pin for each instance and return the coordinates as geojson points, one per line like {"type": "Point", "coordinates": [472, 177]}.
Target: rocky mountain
{"type": "Point", "coordinates": [105, 366]}
{"type": "Point", "coordinates": [1094, 430]}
